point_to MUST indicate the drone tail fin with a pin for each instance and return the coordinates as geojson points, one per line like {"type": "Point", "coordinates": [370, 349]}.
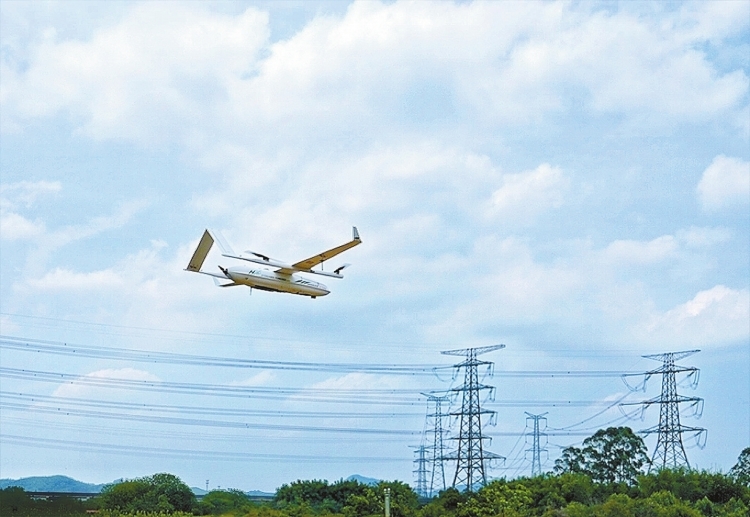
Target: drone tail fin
{"type": "Point", "coordinates": [204, 246]}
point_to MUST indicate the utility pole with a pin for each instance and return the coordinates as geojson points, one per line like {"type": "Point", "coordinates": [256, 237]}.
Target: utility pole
{"type": "Point", "coordinates": [670, 450]}
{"type": "Point", "coordinates": [434, 425]}
{"type": "Point", "coordinates": [421, 471]}
{"type": "Point", "coordinates": [387, 493]}
{"type": "Point", "coordinates": [536, 448]}
{"type": "Point", "coordinates": [471, 456]}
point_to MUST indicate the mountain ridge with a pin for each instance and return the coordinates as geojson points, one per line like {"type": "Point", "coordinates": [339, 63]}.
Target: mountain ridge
{"type": "Point", "coordinates": [56, 483]}
{"type": "Point", "coordinates": [66, 484]}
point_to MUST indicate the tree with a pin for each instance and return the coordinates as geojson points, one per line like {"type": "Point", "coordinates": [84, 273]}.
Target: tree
{"type": "Point", "coordinates": [317, 495]}
{"type": "Point", "coordinates": [404, 501]}
{"type": "Point", "coordinates": [497, 498]}
{"type": "Point", "coordinates": [158, 493]}
{"type": "Point", "coordinates": [14, 499]}
{"type": "Point", "coordinates": [571, 461]}
{"type": "Point", "coordinates": [612, 455]}
{"type": "Point", "coordinates": [222, 501]}
{"type": "Point", "coordinates": [177, 493]}
{"type": "Point", "coordinates": [692, 485]}
{"type": "Point", "coordinates": [741, 471]}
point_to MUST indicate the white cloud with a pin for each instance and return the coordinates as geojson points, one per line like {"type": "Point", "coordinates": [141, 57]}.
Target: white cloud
{"type": "Point", "coordinates": [17, 196]}
{"type": "Point", "coordinates": [695, 237]}
{"type": "Point", "coordinates": [81, 388]}
{"type": "Point", "coordinates": [523, 196]}
{"type": "Point", "coordinates": [26, 192]}
{"type": "Point", "coordinates": [172, 71]}
{"type": "Point", "coordinates": [122, 215]}
{"type": "Point", "coordinates": [259, 379]}
{"type": "Point", "coordinates": [63, 279]}
{"type": "Point", "coordinates": [725, 184]}
{"type": "Point", "coordinates": [714, 317]}
{"type": "Point", "coordinates": [631, 252]}
{"type": "Point", "coordinates": [153, 72]}
{"type": "Point", "coordinates": [17, 227]}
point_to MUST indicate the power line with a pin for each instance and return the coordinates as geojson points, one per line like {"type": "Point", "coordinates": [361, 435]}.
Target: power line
{"type": "Point", "coordinates": [137, 406]}
{"type": "Point", "coordinates": [171, 433]}
{"type": "Point", "coordinates": [153, 356]}
{"type": "Point", "coordinates": [332, 395]}
{"type": "Point", "coordinates": [385, 396]}
{"type": "Point", "coordinates": [183, 334]}
{"type": "Point", "coordinates": [74, 445]}
{"type": "Point", "coordinates": [133, 417]}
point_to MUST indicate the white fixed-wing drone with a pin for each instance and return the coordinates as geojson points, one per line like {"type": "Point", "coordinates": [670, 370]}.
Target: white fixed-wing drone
{"type": "Point", "coordinates": [282, 279]}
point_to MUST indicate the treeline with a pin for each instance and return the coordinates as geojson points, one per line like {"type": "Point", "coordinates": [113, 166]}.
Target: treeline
{"type": "Point", "coordinates": [604, 478]}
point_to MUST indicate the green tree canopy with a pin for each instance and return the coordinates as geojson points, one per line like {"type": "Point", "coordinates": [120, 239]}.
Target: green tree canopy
{"type": "Point", "coordinates": [157, 493]}
{"type": "Point", "coordinates": [318, 495]}
{"type": "Point", "coordinates": [497, 498]}
{"type": "Point", "coordinates": [404, 501]}
{"type": "Point", "coordinates": [693, 485]}
{"type": "Point", "coordinates": [612, 455]}
{"type": "Point", "coordinates": [741, 471]}
{"type": "Point", "coordinates": [217, 502]}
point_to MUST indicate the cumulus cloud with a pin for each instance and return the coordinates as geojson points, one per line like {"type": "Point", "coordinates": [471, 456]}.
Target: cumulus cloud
{"type": "Point", "coordinates": [631, 252]}
{"type": "Point", "coordinates": [725, 184]}
{"type": "Point", "coordinates": [259, 379]}
{"type": "Point", "coordinates": [63, 279]}
{"type": "Point", "coordinates": [26, 192]}
{"type": "Point", "coordinates": [158, 60]}
{"type": "Point", "coordinates": [82, 387]}
{"type": "Point", "coordinates": [714, 317]}
{"type": "Point", "coordinates": [524, 195]}
{"type": "Point", "coordinates": [696, 237]}
{"type": "Point", "coordinates": [18, 196]}
{"type": "Point", "coordinates": [162, 69]}
{"type": "Point", "coordinates": [356, 381]}
{"type": "Point", "coordinates": [16, 227]}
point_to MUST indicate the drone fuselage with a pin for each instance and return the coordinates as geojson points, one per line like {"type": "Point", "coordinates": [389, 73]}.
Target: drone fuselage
{"type": "Point", "coordinates": [267, 280]}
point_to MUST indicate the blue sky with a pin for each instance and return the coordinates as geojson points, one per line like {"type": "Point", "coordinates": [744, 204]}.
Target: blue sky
{"type": "Point", "coordinates": [570, 179]}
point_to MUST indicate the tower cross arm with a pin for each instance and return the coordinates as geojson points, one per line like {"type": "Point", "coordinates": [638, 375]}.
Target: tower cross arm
{"type": "Point", "coordinates": [675, 356]}
{"type": "Point", "coordinates": [476, 351]}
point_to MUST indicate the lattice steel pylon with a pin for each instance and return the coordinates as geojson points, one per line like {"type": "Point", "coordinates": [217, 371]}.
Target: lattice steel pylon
{"type": "Point", "coordinates": [471, 456]}
{"type": "Point", "coordinates": [536, 447]}
{"type": "Point", "coordinates": [670, 450]}
{"type": "Point", "coordinates": [434, 426]}
{"type": "Point", "coordinates": [421, 471]}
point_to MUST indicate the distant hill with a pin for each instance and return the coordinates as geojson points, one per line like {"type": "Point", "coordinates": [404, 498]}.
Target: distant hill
{"type": "Point", "coordinates": [51, 484]}
{"type": "Point", "coordinates": [364, 480]}
{"type": "Point", "coordinates": [258, 493]}
{"type": "Point", "coordinates": [66, 484]}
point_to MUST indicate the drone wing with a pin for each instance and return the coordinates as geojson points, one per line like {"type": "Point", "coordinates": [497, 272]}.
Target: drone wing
{"type": "Point", "coordinates": [309, 263]}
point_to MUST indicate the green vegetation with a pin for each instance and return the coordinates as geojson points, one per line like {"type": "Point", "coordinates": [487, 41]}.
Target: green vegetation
{"type": "Point", "coordinates": [604, 478]}
{"type": "Point", "coordinates": [613, 455]}
{"type": "Point", "coordinates": [164, 493]}
{"type": "Point", "coordinates": [14, 501]}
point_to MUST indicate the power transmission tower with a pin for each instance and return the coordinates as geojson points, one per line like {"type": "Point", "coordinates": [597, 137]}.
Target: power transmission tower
{"type": "Point", "coordinates": [536, 447]}
{"type": "Point", "coordinates": [670, 450]}
{"type": "Point", "coordinates": [421, 471]}
{"type": "Point", "coordinates": [471, 456]}
{"type": "Point", "coordinates": [435, 426]}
